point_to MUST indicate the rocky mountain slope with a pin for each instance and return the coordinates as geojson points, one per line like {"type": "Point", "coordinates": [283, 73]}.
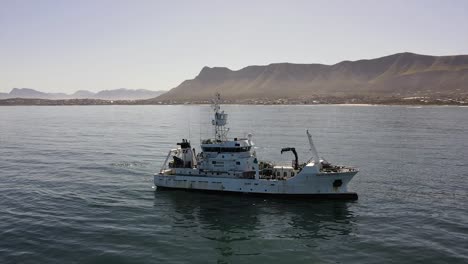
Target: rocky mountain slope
{"type": "Point", "coordinates": [402, 74]}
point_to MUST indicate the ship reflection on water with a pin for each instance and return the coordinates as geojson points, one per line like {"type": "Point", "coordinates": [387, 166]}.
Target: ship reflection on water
{"type": "Point", "coordinates": [240, 225]}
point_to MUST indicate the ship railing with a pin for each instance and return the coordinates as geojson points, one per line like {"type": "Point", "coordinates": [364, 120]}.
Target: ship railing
{"type": "Point", "coordinates": [338, 169]}
{"type": "Point", "coordinates": [167, 172]}
{"type": "Point", "coordinates": [164, 166]}
{"type": "Point", "coordinates": [216, 141]}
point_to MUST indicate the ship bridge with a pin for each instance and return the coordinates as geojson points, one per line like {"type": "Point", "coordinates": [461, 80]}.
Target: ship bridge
{"type": "Point", "coordinates": [237, 145]}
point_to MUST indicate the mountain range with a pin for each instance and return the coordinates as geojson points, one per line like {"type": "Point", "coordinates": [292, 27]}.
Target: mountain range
{"type": "Point", "coordinates": [401, 74]}
{"type": "Point", "coordinates": [397, 76]}
{"type": "Point", "coordinates": [117, 94]}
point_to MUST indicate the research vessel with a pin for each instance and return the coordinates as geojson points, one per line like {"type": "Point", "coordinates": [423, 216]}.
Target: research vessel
{"type": "Point", "coordinates": [231, 166]}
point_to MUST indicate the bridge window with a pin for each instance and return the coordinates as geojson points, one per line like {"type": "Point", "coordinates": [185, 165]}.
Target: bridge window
{"type": "Point", "coordinates": [230, 149]}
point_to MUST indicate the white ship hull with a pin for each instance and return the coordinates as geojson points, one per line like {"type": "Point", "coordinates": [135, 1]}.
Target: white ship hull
{"type": "Point", "coordinates": [304, 184]}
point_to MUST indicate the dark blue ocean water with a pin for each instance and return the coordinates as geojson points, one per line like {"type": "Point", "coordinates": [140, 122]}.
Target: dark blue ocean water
{"type": "Point", "coordinates": [75, 187]}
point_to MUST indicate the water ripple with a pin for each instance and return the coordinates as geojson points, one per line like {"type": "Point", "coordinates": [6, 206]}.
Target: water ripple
{"type": "Point", "coordinates": [77, 188]}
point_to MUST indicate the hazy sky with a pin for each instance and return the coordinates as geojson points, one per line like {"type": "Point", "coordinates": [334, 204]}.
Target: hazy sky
{"type": "Point", "coordinates": [64, 46]}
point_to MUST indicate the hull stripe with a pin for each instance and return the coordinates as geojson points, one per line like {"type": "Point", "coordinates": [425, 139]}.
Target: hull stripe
{"type": "Point", "coordinates": [333, 196]}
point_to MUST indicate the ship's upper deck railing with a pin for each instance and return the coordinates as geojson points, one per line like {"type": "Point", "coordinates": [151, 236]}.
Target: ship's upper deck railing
{"type": "Point", "coordinates": [217, 141]}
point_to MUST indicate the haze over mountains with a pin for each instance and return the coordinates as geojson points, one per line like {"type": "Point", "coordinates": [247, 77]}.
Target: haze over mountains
{"type": "Point", "coordinates": [402, 74]}
{"type": "Point", "coordinates": [117, 94]}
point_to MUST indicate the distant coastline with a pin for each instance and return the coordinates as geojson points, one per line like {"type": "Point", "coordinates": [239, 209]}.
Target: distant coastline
{"type": "Point", "coordinates": [288, 101]}
{"type": "Point", "coordinates": [115, 94]}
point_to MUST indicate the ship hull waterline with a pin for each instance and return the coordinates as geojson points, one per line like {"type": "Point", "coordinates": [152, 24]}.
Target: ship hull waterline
{"type": "Point", "coordinates": [349, 196]}
{"type": "Point", "coordinates": [317, 187]}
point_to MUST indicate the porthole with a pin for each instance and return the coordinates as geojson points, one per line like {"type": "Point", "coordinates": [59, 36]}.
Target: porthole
{"type": "Point", "coordinates": [337, 183]}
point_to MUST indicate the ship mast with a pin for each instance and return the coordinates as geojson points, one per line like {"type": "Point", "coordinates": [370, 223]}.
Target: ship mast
{"type": "Point", "coordinates": [219, 121]}
{"type": "Point", "coordinates": [314, 151]}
